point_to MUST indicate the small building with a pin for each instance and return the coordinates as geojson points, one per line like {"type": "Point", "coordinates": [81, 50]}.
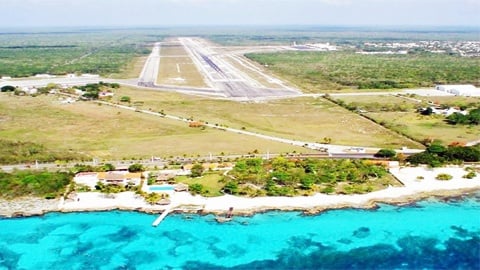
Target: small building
{"type": "Point", "coordinates": [105, 94]}
{"type": "Point", "coordinates": [30, 90]}
{"type": "Point", "coordinates": [89, 179]}
{"type": "Point", "coordinates": [165, 178]}
{"type": "Point", "coordinates": [181, 187]}
{"type": "Point", "coordinates": [459, 90]}
{"type": "Point", "coordinates": [115, 177]}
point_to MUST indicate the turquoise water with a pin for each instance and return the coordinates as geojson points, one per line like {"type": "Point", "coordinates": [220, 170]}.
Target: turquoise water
{"type": "Point", "coordinates": [161, 188]}
{"type": "Point", "coordinates": [431, 234]}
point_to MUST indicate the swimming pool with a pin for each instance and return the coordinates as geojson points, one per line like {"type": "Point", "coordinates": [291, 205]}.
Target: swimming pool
{"type": "Point", "coordinates": [161, 188]}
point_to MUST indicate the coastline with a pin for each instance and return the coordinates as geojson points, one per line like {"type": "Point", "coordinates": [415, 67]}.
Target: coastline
{"type": "Point", "coordinates": [413, 190]}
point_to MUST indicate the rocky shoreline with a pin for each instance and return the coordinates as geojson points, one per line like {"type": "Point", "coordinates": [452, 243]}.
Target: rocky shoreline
{"type": "Point", "coordinates": [419, 184]}
{"type": "Point", "coordinates": [31, 206]}
{"type": "Point", "coordinates": [27, 206]}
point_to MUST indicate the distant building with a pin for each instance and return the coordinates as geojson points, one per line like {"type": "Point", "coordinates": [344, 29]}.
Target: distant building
{"type": "Point", "coordinates": [105, 94]}
{"type": "Point", "coordinates": [116, 177]}
{"type": "Point", "coordinates": [44, 76]}
{"type": "Point", "coordinates": [30, 90]}
{"type": "Point", "coordinates": [459, 90]}
{"type": "Point", "coordinates": [87, 75]}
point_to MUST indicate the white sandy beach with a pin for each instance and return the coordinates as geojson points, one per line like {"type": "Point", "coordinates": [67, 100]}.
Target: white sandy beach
{"type": "Point", "coordinates": [413, 189]}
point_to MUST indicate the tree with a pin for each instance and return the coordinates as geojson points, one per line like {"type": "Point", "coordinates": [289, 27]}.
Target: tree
{"type": "Point", "coordinates": [108, 167]}
{"type": "Point", "coordinates": [307, 182]}
{"type": "Point", "coordinates": [231, 187]}
{"type": "Point", "coordinates": [457, 118]}
{"type": "Point", "coordinates": [385, 153]}
{"type": "Point", "coordinates": [136, 168]}
{"type": "Point", "coordinates": [153, 198]}
{"type": "Point", "coordinates": [468, 154]}
{"type": "Point", "coordinates": [196, 188]}
{"type": "Point", "coordinates": [426, 158]}
{"type": "Point", "coordinates": [427, 111]}
{"type": "Point", "coordinates": [197, 170]}
{"type": "Point", "coordinates": [444, 177]}
{"type": "Point", "coordinates": [125, 99]}
{"type": "Point", "coordinates": [474, 117]}
{"type": "Point", "coordinates": [8, 88]}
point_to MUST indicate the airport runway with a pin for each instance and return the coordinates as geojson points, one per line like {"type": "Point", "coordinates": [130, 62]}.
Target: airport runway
{"type": "Point", "coordinates": [149, 74]}
{"type": "Point", "coordinates": [227, 79]}
{"type": "Point", "coordinates": [223, 78]}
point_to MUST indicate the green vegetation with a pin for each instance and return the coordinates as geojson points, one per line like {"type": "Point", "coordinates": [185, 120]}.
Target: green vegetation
{"type": "Point", "coordinates": [386, 153]}
{"type": "Point", "coordinates": [197, 170]}
{"type": "Point", "coordinates": [470, 175]}
{"type": "Point", "coordinates": [283, 177]}
{"type": "Point", "coordinates": [112, 188]}
{"type": "Point", "coordinates": [400, 114]}
{"type": "Point", "coordinates": [92, 90]}
{"type": "Point", "coordinates": [136, 168]}
{"type": "Point", "coordinates": [15, 152]}
{"type": "Point", "coordinates": [125, 99]}
{"type": "Point", "coordinates": [44, 184]}
{"type": "Point", "coordinates": [443, 177]}
{"type": "Point", "coordinates": [107, 133]}
{"type": "Point", "coordinates": [437, 155]}
{"type": "Point", "coordinates": [472, 118]}
{"type": "Point", "coordinates": [306, 119]}
{"type": "Point", "coordinates": [209, 184]}
{"type": "Point", "coordinates": [98, 52]}
{"type": "Point", "coordinates": [156, 198]}
{"type": "Point", "coordinates": [315, 71]}
{"type": "Point", "coordinates": [7, 88]}
{"type": "Point", "coordinates": [77, 168]}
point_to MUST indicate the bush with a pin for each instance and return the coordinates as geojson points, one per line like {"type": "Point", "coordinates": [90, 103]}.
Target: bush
{"type": "Point", "coordinates": [470, 175]}
{"type": "Point", "coordinates": [136, 168]}
{"type": "Point", "coordinates": [197, 170]}
{"type": "Point", "coordinates": [386, 153]}
{"type": "Point", "coordinates": [8, 88]}
{"type": "Point", "coordinates": [195, 188]}
{"type": "Point", "coordinates": [125, 99]}
{"type": "Point", "coordinates": [444, 177]}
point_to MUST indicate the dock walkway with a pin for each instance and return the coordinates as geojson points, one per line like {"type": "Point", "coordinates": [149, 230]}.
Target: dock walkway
{"type": "Point", "coordinates": [161, 217]}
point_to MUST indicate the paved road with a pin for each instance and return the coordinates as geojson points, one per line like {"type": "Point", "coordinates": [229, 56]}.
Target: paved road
{"type": "Point", "coordinates": [225, 77]}
{"type": "Point", "coordinates": [149, 74]}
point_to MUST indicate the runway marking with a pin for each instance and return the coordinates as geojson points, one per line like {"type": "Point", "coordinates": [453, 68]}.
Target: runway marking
{"type": "Point", "coordinates": [178, 68]}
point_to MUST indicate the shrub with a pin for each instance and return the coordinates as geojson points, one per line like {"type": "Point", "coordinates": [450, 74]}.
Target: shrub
{"type": "Point", "coordinates": [470, 175]}
{"type": "Point", "coordinates": [386, 153]}
{"type": "Point", "coordinates": [444, 177]}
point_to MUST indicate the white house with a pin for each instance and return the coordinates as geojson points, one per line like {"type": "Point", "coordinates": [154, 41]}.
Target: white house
{"type": "Point", "coordinates": [459, 90]}
{"type": "Point", "coordinates": [30, 91]}
{"type": "Point", "coordinates": [90, 179]}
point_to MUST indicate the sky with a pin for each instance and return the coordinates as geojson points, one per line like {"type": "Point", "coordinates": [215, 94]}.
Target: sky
{"type": "Point", "coordinates": [66, 13]}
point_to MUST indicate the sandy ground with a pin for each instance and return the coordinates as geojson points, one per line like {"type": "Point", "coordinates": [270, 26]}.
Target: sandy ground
{"type": "Point", "coordinates": [414, 189]}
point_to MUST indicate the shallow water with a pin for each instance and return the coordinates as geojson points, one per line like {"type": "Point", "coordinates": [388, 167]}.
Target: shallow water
{"type": "Point", "coordinates": [431, 234]}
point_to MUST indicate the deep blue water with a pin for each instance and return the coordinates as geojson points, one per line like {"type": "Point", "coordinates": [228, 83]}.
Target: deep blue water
{"type": "Point", "coordinates": [431, 234]}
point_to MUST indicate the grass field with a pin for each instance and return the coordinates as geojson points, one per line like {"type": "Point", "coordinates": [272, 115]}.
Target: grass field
{"type": "Point", "coordinates": [105, 54]}
{"type": "Point", "coordinates": [106, 132]}
{"type": "Point", "coordinates": [321, 71]}
{"type": "Point", "coordinates": [422, 127]}
{"type": "Point", "coordinates": [209, 181]}
{"type": "Point", "coordinates": [301, 119]}
{"type": "Point", "coordinates": [132, 69]}
{"type": "Point", "coordinates": [412, 123]}
{"type": "Point", "coordinates": [253, 70]}
{"type": "Point", "coordinates": [177, 68]}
